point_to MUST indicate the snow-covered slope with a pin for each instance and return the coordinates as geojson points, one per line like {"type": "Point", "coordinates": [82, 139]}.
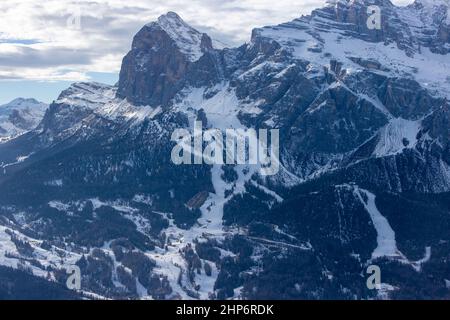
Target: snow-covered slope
{"type": "Point", "coordinates": [410, 53]}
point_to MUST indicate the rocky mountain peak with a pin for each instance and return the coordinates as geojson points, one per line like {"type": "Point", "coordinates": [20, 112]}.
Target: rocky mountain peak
{"type": "Point", "coordinates": [189, 41]}
{"type": "Point", "coordinates": [162, 53]}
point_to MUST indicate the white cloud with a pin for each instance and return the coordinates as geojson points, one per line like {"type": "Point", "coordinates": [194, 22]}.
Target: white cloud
{"type": "Point", "coordinates": [66, 39]}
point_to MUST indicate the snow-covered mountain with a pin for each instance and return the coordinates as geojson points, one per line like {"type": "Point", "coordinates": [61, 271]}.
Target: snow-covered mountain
{"type": "Point", "coordinates": [19, 116]}
{"type": "Point", "coordinates": [364, 165]}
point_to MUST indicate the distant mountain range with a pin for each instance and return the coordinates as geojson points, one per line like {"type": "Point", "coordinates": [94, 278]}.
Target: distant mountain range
{"type": "Point", "coordinates": [364, 172]}
{"type": "Point", "coordinates": [20, 116]}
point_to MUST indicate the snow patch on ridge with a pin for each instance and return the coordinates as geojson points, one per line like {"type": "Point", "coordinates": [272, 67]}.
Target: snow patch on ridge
{"type": "Point", "coordinates": [396, 136]}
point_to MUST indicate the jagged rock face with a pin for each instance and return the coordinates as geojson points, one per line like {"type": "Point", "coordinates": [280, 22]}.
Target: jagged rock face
{"type": "Point", "coordinates": [352, 18]}
{"type": "Point", "coordinates": [337, 122]}
{"type": "Point", "coordinates": [152, 77]}
{"type": "Point", "coordinates": [437, 124]}
{"type": "Point", "coordinates": [406, 99]}
{"type": "Point", "coordinates": [365, 155]}
{"type": "Point", "coordinates": [430, 27]}
{"type": "Point", "coordinates": [156, 67]}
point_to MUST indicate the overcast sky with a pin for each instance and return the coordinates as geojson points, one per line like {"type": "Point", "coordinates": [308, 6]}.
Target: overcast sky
{"type": "Point", "coordinates": [46, 45]}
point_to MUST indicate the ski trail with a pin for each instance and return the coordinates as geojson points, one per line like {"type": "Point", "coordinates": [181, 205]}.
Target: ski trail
{"type": "Point", "coordinates": [212, 210]}
{"type": "Point", "coordinates": [387, 245]}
